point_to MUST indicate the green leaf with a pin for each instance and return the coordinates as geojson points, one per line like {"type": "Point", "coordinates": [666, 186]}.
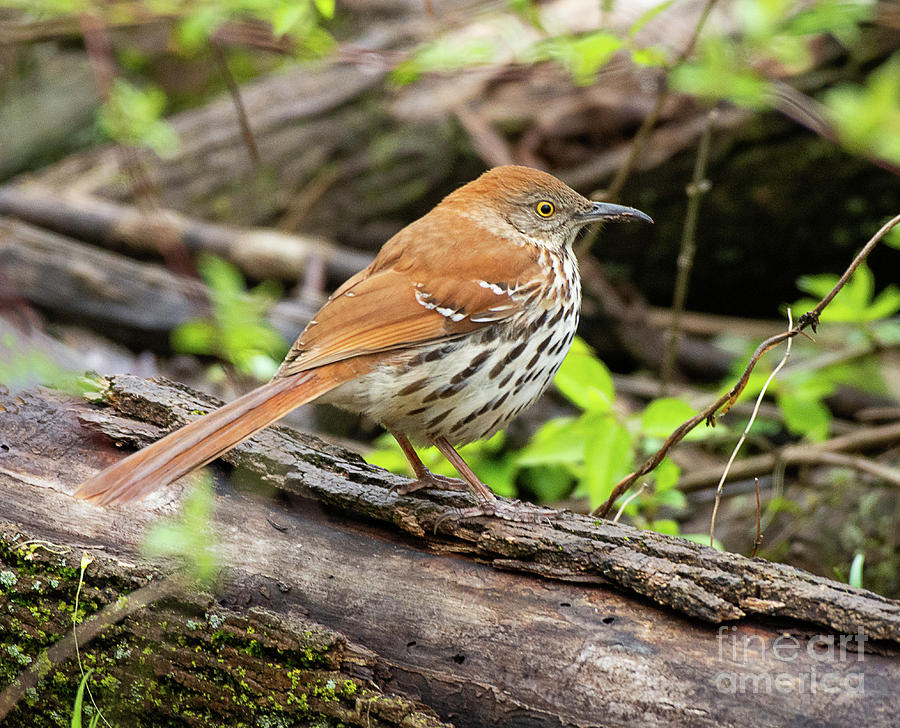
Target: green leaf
{"type": "Point", "coordinates": [560, 441]}
{"type": "Point", "coordinates": [222, 277]}
{"type": "Point", "coordinates": [548, 482]}
{"type": "Point", "coordinates": [608, 459]}
{"type": "Point", "coordinates": [286, 17]}
{"type": "Point", "coordinates": [584, 56]}
{"type": "Point", "coordinates": [585, 380]}
{"type": "Point", "coordinates": [805, 416]}
{"type": "Point", "coordinates": [194, 336]}
{"type": "Point", "coordinates": [198, 26]}
{"type": "Point", "coordinates": [855, 302]}
{"type": "Point", "coordinates": [867, 118]}
{"type": "Point", "coordinates": [638, 25]}
{"type": "Point", "coordinates": [325, 8]}
{"type": "Point", "coordinates": [722, 72]}
{"type": "Point", "coordinates": [892, 238]}
{"type": "Point", "coordinates": [133, 116]}
{"type": "Point", "coordinates": [444, 54]}
{"type": "Point", "coordinates": [664, 415]}
{"type": "Point", "coordinates": [79, 698]}
{"type": "Point", "coordinates": [651, 57]}
{"type": "Point", "coordinates": [856, 570]}
{"type": "Point", "coordinates": [672, 498]}
{"type": "Point", "coordinates": [188, 537]}
{"type": "Point", "coordinates": [665, 526]}
{"type": "Point", "coordinates": [666, 475]}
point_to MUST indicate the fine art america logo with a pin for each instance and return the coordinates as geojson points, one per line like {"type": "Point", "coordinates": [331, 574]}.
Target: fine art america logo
{"type": "Point", "coordinates": [764, 666]}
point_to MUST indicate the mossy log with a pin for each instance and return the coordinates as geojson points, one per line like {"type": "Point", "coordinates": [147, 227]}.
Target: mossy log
{"type": "Point", "coordinates": [337, 597]}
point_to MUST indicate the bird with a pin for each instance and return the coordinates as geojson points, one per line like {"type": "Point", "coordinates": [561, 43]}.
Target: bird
{"type": "Point", "coordinates": [459, 324]}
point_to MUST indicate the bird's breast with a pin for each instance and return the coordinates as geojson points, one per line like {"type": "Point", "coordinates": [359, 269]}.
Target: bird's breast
{"type": "Point", "coordinates": [469, 387]}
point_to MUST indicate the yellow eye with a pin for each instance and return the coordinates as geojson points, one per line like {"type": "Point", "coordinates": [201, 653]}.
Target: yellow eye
{"type": "Point", "coordinates": [544, 208]}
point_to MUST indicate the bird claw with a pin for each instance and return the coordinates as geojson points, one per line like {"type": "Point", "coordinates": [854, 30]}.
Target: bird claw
{"type": "Point", "coordinates": [514, 510]}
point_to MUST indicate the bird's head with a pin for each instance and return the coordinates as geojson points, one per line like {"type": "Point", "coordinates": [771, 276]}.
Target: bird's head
{"type": "Point", "coordinates": [518, 202]}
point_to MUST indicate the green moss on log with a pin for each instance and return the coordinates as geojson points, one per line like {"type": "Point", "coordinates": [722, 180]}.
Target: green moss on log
{"type": "Point", "coordinates": [185, 661]}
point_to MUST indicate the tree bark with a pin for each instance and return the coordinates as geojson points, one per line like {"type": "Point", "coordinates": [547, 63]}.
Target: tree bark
{"type": "Point", "coordinates": [572, 622]}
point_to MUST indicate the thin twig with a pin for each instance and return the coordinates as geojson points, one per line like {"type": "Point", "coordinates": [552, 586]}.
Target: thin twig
{"type": "Point", "coordinates": [743, 437]}
{"type": "Point", "coordinates": [696, 189]}
{"type": "Point", "coordinates": [86, 560]}
{"type": "Point", "coordinates": [725, 402]}
{"type": "Point", "coordinates": [643, 133]}
{"type": "Point", "coordinates": [639, 141]}
{"type": "Point", "coordinates": [235, 91]}
{"type": "Point", "coordinates": [628, 500]}
{"type": "Point", "coordinates": [101, 56]}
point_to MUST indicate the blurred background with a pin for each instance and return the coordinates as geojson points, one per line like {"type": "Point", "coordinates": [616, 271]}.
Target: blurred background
{"type": "Point", "coordinates": [183, 183]}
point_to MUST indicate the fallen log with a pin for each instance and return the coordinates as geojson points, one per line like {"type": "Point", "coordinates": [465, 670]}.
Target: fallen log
{"type": "Point", "coordinates": [261, 253]}
{"type": "Point", "coordinates": [572, 622]}
{"type": "Point", "coordinates": [139, 303]}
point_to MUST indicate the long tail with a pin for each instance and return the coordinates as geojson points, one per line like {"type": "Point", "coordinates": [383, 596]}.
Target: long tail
{"type": "Point", "coordinates": [203, 440]}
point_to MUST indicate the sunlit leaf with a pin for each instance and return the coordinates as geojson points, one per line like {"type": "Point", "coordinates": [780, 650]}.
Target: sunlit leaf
{"type": "Point", "coordinates": [651, 57]}
{"type": "Point", "coordinates": [892, 238]}
{"type": "Point", "coordinates": [562, 440]}
{"type": "Point", "coordinates": [79, 699]}
{"type": "Point", "coordinates": [665, 526]}
{"type": "Point", "coordinates": [133, 116]}
{"type": "Point", "coordinates": [608, 459]}
{"type": "Point", "coordinates": [194, 336]}
{"type": "Point", "coordinates": [647, 16]}
{"type": "Point", "coordinates": [666, 475]}
{"type": "Point", "coordinates": [805, 416]}
{"type": "Point", "coordinates": [867, 117]}
{"type": "Point", "coordinates": [325, 8]}
{"type": "Point", "coordinates": [856, 570]}
{"type": "Point", "coordinates": [855, 302]}
{"type": "Point", "coordinates": [285, 17]}
{"type": "Point", "coordinates": [720, 72]}
{"type": "Point", "coordinates": [585, 55]}
{"type": "Point", "coordinates": [585, 380]}
{"type": "Point", "coordinates": [664, 415]}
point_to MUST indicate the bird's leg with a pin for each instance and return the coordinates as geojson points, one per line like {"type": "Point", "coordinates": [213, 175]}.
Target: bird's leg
{"type": "Point", "coordinates": [489, 504]}
{"type": "Point", "coordinates": [424, 477]}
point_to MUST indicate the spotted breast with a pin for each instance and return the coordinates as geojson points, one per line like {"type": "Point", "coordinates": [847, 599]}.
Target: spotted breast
{"type": "Point", "coordinates": [471, 386]}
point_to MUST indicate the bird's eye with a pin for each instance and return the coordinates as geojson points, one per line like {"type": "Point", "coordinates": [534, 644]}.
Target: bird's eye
{"type": "Point", "coordinates": [545, 208]}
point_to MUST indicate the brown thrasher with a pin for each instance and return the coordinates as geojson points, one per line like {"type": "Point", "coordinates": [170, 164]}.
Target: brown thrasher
{"type": "Point", "coordinates": [457, 326]}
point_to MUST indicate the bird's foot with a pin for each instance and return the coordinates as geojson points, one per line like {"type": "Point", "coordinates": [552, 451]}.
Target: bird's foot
{"type": "Point", "coordinates": [514, 510]}
{"type": "Point", "coordinates": [430, 480]}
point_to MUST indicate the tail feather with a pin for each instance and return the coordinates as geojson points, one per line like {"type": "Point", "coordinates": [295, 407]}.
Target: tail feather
{"type": "Point", "coordinates": [203, 440]}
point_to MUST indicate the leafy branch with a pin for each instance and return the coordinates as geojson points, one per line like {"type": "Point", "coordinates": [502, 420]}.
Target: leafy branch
{"type": "Point", "coordinates": [810, 319]}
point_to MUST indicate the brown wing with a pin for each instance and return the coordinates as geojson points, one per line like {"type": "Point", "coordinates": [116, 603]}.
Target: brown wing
{"type": "Point", "coordinates": [425, 285]}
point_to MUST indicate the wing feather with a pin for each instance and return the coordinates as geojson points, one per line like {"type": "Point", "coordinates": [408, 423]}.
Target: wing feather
{"type": "Point", "coordinates": [416, 293]}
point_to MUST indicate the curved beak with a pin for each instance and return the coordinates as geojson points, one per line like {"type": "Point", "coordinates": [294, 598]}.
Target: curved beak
{"type": "Point", "coordinates": [608, 212]}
